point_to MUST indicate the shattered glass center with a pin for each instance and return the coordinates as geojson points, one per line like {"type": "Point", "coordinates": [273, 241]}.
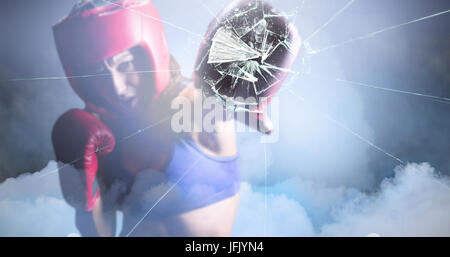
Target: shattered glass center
{"type": "Point", "coordinates": [246, 56]}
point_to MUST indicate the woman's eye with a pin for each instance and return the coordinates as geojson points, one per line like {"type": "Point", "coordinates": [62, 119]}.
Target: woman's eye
{"type": "Point", "coordinates": [126, 66]}
{"type": "Point", "coordinates": [98, 69]}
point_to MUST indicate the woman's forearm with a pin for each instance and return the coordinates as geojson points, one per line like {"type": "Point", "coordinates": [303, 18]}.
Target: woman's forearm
{"type": "Point", "coordinates": [104, 219]}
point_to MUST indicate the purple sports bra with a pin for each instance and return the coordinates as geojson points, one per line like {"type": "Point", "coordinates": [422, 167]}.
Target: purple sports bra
{"type": "Point", "coordinates": [192, 179]}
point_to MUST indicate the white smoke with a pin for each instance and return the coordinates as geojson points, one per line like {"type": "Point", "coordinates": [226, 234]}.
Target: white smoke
{"type": "Point", "coordinates": [282, 217]}
{"type": "Point", "coordinates": [415, 202]}
{"type": "Point", "coordinates": [32, 205]}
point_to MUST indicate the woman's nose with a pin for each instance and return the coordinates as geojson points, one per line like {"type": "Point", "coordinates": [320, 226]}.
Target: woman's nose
{"type": "Point", "coordinates": [119, 82]}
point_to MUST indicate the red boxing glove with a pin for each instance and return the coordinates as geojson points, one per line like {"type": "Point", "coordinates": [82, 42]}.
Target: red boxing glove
{"type": "Point", "coordinates": [79, 138]}
{"type": "Point", "coordinates": [245, 55]}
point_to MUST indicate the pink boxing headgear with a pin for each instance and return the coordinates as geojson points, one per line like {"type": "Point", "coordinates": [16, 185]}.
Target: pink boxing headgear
{"type": "Point", "coordinates": [89, 37]}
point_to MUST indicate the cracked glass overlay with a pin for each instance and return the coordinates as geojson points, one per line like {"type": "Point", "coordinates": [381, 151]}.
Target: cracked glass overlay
{"type": "Point", "coordinates": [247, 56]}
{"type": "Point", "coordinates": [246, 68]}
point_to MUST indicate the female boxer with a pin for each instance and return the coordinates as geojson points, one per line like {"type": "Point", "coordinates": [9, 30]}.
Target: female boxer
{"type": "Point", "coordinates": [120, 153]}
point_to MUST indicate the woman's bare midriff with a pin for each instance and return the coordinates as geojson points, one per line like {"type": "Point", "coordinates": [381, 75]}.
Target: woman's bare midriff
{"type": "Point", "coordinates": [213, 220]}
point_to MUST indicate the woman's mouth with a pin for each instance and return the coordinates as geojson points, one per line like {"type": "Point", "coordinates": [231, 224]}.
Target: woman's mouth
{"type": "Point", "coordinates": [129, 102]}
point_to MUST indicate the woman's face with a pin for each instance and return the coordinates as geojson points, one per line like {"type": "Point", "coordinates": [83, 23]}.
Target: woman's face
{"type": "Point", "coordinates": [129, 84]}
{"type": "Point", "coordinates": [125, 78]}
